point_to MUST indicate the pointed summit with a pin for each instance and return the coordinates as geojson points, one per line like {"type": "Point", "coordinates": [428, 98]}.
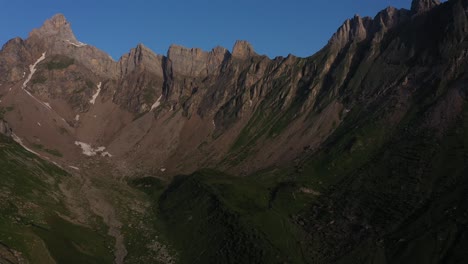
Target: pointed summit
{"type": "Point", "coordinates": [354, 29]}
{"type": "Point", "coordinates": [57, 26]}
{"type": "Point", "coordinates": [420, 6]}
{"type": "Point", "coordinates": [242, 50]}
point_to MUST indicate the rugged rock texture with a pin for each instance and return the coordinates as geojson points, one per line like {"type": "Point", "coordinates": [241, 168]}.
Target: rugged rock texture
{"type": "Point", "coordinates": [358, 146]}
{"type": "Point", "coordinates": [5, 128]}
{"type": "Point", "coordinates": [56, 27]}
{"type": "Point", "coordinates": [420, 6]}
{"type": "Point", "coordinates": [243, 50]}
{"type": "Point", "coordinates": [225, 95]}
{"type": "Point", "coordinates": [142, 57]}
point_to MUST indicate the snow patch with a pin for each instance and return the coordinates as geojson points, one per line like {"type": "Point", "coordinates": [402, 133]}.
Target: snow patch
{"type": "Point", "coordinates": [55, 163]}
{"type": "Point", "coordinates": [79, 44]}
{"type": "Point", "coordinates": [106, 154]}
{"type": "Point", "coordinates": [32, 69]}
{"type": "Point", "coordinates": [75, 168]}
{"type": "Point", "coordinates": [163, 169]}
{"type": "Point", "coordinates": [157, 103]}
{"type": "Point", "coordinates": [95, 96]}
{"type": "Point", "coordinates": [77, 118]}
{"type": "Point", "coordinates": [39, 124]}
{"type": "Point", "coordinates": [88, 150]}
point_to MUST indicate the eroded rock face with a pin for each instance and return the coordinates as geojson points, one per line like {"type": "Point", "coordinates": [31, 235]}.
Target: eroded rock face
{"type": "Point", "coordinates": [221, 89]}
{"type": "Point", "coordinates": [420, 6]}
{"type": "Point", "coordinates": [56, 27]}
{"type": "Point", "coordinates": [355, 29]}
{"type": "Point", "coordinates": [243, 50]}
{"type": "Point", "coordinates": [144, 57]}
{"type": "Point", "coordinates": [5, 128]}
{"type": "Point", "coordinates": [195, 62]}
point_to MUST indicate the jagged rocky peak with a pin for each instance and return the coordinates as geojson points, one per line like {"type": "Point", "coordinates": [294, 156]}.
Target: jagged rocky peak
{"type": "Point", "coordinates": [194, 61]}
{"type": "Point", "coordinates": [390, 17]}
{"type": "Point", "coordinates": [243, 50]}
{"type": "Point", "coordinates": [57, 26]}
{"type": "Point", "coordinates": [355, 29]}
{"type": "Point", "coordinates": [143, 57]}
{"type": "Point", "coordinates": [420, 6]}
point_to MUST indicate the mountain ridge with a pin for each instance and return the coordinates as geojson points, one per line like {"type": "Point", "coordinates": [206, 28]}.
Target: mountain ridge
{"type": "Point", "coordinates": [356, 154]}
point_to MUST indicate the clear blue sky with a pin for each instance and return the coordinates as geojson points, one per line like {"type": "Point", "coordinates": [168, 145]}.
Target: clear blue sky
{"type": "Point", "coordinates": [274, 27]}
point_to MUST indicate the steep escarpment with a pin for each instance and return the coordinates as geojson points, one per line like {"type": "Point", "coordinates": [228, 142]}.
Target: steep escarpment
{"type": "Point", "coordinates": [356, 154]}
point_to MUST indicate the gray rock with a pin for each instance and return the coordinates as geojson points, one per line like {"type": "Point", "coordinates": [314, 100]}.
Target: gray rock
{"type": "Point", "coordinates": [420, 6]}
{"type": "Point", "coordinates": [5, 128]}
{"type": "Point", "coordinates": [243, 50]}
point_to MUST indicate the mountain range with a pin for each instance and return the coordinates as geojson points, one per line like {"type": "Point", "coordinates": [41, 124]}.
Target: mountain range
{"type": "Point", "coordinates": [356, 154]}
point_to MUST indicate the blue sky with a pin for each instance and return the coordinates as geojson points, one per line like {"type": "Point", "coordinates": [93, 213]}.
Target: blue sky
{"type": "Point", "coordinates": [274, 27]}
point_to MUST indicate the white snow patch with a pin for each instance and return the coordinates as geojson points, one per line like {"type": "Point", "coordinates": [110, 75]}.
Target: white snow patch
{"type": "Point", "coordinates": [24, 74]}
{"type": "Point", "coordinates": [79, 44]}
{"type": "Point", "coordinates": [75, 168]}
{"type": "Point", "coordinates": [32, 69]}
{"type": "Point", "coordinates": [157, 103]}
{"type": "Point", "coordinates": [77, 118]}
{"type": "Point", "coordinates": [39, 124]}
{"type": "Point", "coordinates": [95, 96]}
{"type": "Point", "coordinates": [86, 148]}
{"type": "Point", "coordinates": [214, 125]}
{"type": "Point", "coordinates": [163, 169]}
{"type": "Point", "coordinates": [106, 154]}
{"type": "Point", "coordinates": [90, 151]}
{"type": "Point", "coordinates": [55, 163]}
{"type": "Point", "coordinates": [100, 149]}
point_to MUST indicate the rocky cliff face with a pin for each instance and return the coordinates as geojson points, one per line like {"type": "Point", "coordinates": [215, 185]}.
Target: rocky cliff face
{"type": "Point", "coordinates": [356, 145]}
{"type": "Point", "coordinates": [226, 96]}
{"type": "Point", "coordinates": [5, 128]}
{"type": "Point", "coordinates": [421, 6]}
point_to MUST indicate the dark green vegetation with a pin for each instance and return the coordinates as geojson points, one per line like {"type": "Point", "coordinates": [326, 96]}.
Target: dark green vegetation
{"type": "Point", "coordinates": [59, 63]}
{"type": "Point", "coordinates": [389, 185]}
{"type": "Point", "coordinates": [372, 195]}
{"type": "Point", "coordinates": [377, 128]}
{"type": "Point", "coordinates": [211, 217]}
{"type": "Point", "coordinates": [39, 79]}
{"type": "Point", "coordinates": [32, 215]}
{"type": "Point", "coordinates": [50, 151]}
{"type": "Point", "coordinates": [4, 110]}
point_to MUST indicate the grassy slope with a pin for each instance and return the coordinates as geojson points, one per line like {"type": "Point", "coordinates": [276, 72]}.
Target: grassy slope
{"type": "Point", "coordinates": [211, 217]}
{"type": "Point", "coordinates": [389, 195]}
{"type": "Point", "coordinates": [31, 210]}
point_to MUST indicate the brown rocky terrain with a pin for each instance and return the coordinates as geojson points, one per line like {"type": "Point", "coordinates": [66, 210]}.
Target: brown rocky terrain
{"type": "Point", "coordinates": [356, 154]}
